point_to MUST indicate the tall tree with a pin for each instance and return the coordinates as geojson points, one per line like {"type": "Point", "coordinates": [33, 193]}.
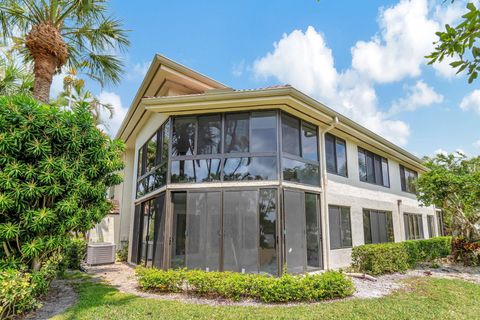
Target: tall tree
{"type": "Point", "coordinates": [73, 33]}
{"type": "Point", "coordinates": [453, 185]}
{"type": "Point", "coordinates": [461, 42]}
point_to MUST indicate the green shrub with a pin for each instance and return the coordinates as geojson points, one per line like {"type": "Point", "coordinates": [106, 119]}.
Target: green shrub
{"type": "Point", "coordinates": [122, 253]}
{"type": "Point", "coordinates": [16, 293]}
{"type": "Point", "coordinates": [75, 252]}
{"type": "Point", "coordinates": [377, 259]}
{"type": "Point", "coordinates": [237, 286]}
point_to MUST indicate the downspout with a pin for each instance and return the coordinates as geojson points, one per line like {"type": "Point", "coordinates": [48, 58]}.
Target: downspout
{"type": "Point", "coordinates": [326, 230]}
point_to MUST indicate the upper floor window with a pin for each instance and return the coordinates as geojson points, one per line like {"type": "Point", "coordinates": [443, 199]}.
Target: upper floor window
{"type": "Point", "coordinates": [152, 161]}
{"type": "Point", "coordinates": [377, 226]}
{"type": "Point", "coordinates": [300, 151]}
{"type": "Point", "coordinates": [373, 168]}
{"type": "Point", "coordinates": [336, 154]}
{"type": "Point", "coordinates": [408, 178]}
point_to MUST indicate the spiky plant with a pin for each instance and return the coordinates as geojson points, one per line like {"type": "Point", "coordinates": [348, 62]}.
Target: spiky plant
{"type": "Point", "coordinates": [56, 33]}
{"type": "Point", "coordinates": [55, 168]}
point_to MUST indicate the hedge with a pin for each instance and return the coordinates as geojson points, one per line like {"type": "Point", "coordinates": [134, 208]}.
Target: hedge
{"type": "Point", "coordinates": [383, 258]}
{"type": "Point", "coordinates": [238, 286]}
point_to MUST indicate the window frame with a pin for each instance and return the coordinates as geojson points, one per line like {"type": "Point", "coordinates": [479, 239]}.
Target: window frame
{"type": "Point", "coordinates": [341, 232]}
{"type": "Point", "coordinates": [335, 157]}
{"type": "Point", "coordinates": [403, 178]}
{"type": "Point", "coordinates": [413, 216]}
{"type": "Point", "coordinates": [388, 217]}
{"type": "Point", "coordinates": [382, 160]}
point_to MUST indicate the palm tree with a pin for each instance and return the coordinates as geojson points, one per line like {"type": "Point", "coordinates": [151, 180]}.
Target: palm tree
{"type": "Point", "coordinates": [14, 77]}
{"type": "Point", "coordinates": [73, 33]}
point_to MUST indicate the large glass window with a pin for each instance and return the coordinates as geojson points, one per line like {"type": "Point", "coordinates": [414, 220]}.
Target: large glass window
{"type": "Point", "coordinates": [200, 170]}
{"type": "Point", "coordinates": [179, 207]}
{"type": "Point", "coordinates": [373, 168]}
{"type": "Point", "coordinates": [431, 226]}
{"type": "Point", "coordinates": [377, 226]}
{"type": "Point", "coordinates": [413, 226]}
{"type": "Point", "coordinates": [300, 151]}
{"type": "Point", "coordinates": [267, 203]}
{"type": "Point", "coordinates": [408, 179]}
{"type": "Point", "coordinates": [340, 227]}
{"type": "Point", "coordinates": [336, 155]}
{"type": "Point", "coordinates": [183, 140]}
{"type": "Point", "coordinates": [209, 134]}
{"type": "Point", "coordinates": [237, 135]}
{"type": "Point", "coordinates": [302, 172]}
{"type": "Point", "coordinates": [152, 162]}
{"type": "Point", "coordinates": [312, 231]}
{"type": "Point", "coordinates": [254, 168]}
{"type": "Point", "coordinates": [264, 132]}
{"type": "Point", "coordinates": [290, 135]}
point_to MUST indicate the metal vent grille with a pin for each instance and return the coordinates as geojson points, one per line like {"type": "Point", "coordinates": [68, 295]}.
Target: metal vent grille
{"type": "Point", "coordinates": [100, 253]}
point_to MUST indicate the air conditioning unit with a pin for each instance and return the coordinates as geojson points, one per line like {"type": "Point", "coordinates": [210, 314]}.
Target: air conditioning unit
{"type": "Point", "coordinates": [100, 253]}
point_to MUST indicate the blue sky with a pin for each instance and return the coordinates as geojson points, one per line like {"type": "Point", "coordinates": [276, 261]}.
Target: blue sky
{"type": "Point", "coordinates": [362, 58]}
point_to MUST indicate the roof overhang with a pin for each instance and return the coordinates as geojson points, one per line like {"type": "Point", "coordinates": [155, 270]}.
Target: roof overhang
{"type": "Point", "coordinates": [164, 77]}
{"type": "Point", "coordinates": [285, 98]}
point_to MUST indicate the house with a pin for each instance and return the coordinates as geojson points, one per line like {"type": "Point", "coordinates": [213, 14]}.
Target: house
{"type": "Point", "coordinates": [256, 180]}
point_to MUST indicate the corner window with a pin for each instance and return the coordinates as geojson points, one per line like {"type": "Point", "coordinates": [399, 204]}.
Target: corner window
{"type": "Point", "coordinates": [264, 131]}
{"type": "Point", "coordinates": [408, 179]}
{"type": "Point", "coordinates": [413, 226]}
{"type": "Point", "coordinates": [152, 161]}
{"type": "Point", "coordinates": [336, 155]}
{"type": "Point", "coordinates": [377, 226]}
{"type": "Point", "coordinates": [373, 168]}
{"type": "Point", "coordinates": [237, 138]}
{"type": "Point", "coordinates": [340, 227]}
{"type": "Point", "coordinates": [299, 151]}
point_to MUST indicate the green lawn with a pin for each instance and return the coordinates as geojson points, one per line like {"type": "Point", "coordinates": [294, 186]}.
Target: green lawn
{"type": "Point", "coordinates": [426, 298]}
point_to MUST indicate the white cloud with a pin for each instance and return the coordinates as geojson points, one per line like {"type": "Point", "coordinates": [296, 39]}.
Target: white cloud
{"type": "Point", "coordinates": [138, 70]}
{"type": "Point", "coordinates": [419, 95]}
{"type": "Point", "coordinates": [238, 68]}
{"type": "Point", "coordinates": [397, 51]}
{"type": "Point", "coordinates": [440, 151]}
{"type": "Point", "coordinates": [111, 125]}
{"type": "Point", "coordinates": [471, 101]}
{"type": "Point", "coordinates": [57, 85]}
{"type": "Point", "coordinates": [303, 60]}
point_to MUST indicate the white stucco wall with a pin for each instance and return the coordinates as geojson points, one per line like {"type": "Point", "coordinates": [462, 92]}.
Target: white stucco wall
{"type": "Point", "coordinates": [358, 195]}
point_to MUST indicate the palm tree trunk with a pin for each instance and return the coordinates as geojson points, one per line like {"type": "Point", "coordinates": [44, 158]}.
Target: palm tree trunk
{"type": "Point", "coordinates": [44, 68]}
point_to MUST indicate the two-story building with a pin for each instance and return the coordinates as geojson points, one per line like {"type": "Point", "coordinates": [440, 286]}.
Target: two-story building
{"type": "Point", "coordinates": [256, 180]}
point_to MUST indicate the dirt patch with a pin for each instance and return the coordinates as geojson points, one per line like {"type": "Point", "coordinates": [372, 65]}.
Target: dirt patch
{"type": "Point", "coordinates": [60, 297]}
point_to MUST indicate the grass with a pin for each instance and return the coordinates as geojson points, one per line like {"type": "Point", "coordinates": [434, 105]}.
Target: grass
{"type": "Point", "coordinates": [425, 298]}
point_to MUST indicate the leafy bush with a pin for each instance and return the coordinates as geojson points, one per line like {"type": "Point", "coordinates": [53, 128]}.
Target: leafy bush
{"type": "Point", "coordinates": [237, 286]}
{"type": "Point", "coordinates": [385, 258]}
{"type": "Point", "coordinates": [16, 293]}
{"type": "Point", "coordinates": [466, 251]}
{"type": "Point", "coordinates": [75, 252]}
{"type": "Point", "coordinates": [55, 167]}
{"type": "Point", "coordinates": [122, 253]}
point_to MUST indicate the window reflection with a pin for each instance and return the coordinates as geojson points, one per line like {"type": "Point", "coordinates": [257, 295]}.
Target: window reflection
{"type": "Point", "coordinates": [203, 170]}
{"type": "Point", "coordinates": [297, 171]}
{"type": "Point", "coordinates": [264, 132]}
{"type": "Point", "coordinates": [309, 142]}
{"type": "Point", "coordinates": [209, 134]}
{"type": "Point", "coordinates": [183, 142]}
{"type": "Point", "coordinates": [255, 168]}
{"type": "Point", "coordinates": [268, 219]}
{"type": "Point", "coordinates": [237, 132]}
{"type": "Point", "coordinates": [290, 135]}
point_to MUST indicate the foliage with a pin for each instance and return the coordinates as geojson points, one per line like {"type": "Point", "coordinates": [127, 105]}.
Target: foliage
{"type": "Point", "coordinates": [75, 34]}
{"type": "Point", "coordinates": [424, 298]}
{"type": "Point", "coordinates": [452, 184]}
{"type": "Point", "coordinates": [466, 251]}
{"type": "Point", "coordinates": [74, 253]}
{"type": "Point", "coordinates": [461, 42]}
{"type": "Point", "coordinates": [14, 78]}
{"type": "Point", "coordinates": [55, 168]}
{"type": "Point", "coordinates": [19, 290]}
{"type": "Point", "coordinates": [122, 253]}
{"type": "Point", "coordinates": [237, 286]}
{"type": "Point", "coordinates": [74, 92]}
{"type": "Point", "coordinates": [393, 257]}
